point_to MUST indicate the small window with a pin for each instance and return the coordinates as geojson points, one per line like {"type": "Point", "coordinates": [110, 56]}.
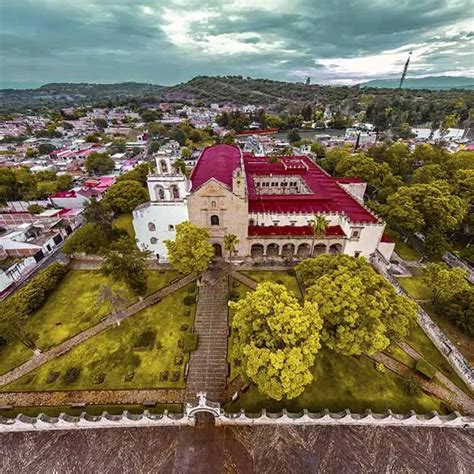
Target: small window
{"type": "Point", "coordinates": [153, 240]}
{"type": "Point", "coordinates": [151, 227]}
{"type": "Point", "coordinates": [171, 227]}
{"type": "Point", "coordinates": [357, 254]}
{"type": "Point", "coordinates": [355, 234]}
{"type": "Point", "coordinates": [274, 184]}
{"type": "Point", "coordinates": [251, 223]}
{"type": "Point", "coordinates": [257, 184]}
{"type": "Point", "coordinates": [213, 204]}
{"type": "Point", "coordinates": [175, 192]}
{"type": "Point", "coordinates": [214, 220]}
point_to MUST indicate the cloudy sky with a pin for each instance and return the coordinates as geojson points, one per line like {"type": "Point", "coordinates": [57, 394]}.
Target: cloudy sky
{"type": "Point", "coordinates": [170, 41]}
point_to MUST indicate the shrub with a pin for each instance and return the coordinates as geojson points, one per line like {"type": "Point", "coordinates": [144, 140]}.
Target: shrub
{"type": "Point", "coordinates": [411, 387]}
{"type": "Point", "coordinates": [146, 339]}
{"type": "Point", "coordinates": [291, 272]}
{"type": "Point", "coordinates": [189, 300]}
{"type": "Point", "coordinates": [191, 289]}
{"type": "Point", "coordinates": [52, 377]}
{"type": "Point", "coordinates": [71, 375]}
{"type": "Point", "coordinates": [175, 376]}
{"type": "Point", "coordinates": [98, 378]}
{"type": "Point", "coordinates": [234, 296]}
{"type": "Point", "coordinates": [28, 299]}
{"type": "Point", "coordinates": [236, 284]}
{"type": "Point", "coordinates": [425, 368]}
{"type": "Point", "coordinates": [379, 367]}
{"type": "Point", "coordinates": [190, 342]}
{"type": "Point", "coordinates": [135, 360]}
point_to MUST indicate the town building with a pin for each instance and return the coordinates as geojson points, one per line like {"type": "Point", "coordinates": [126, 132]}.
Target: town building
{"type": "Point", "coordinates": [268, 203]}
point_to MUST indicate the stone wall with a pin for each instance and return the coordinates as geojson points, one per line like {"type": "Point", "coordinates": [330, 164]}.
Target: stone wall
{"type": "Point", "coordinates": [147, 419]}
{"type": "Point", "coordinates": [439, 339]}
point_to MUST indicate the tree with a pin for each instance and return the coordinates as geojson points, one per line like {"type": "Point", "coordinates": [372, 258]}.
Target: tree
{"type": "Point", "coordinates": [307, 112]}
{"type": "Point", "coordinates": [139, 173]}
{"type": "Point", "coordinates": [191, 251]}
{"type": "Point", "coordinates": [185, 153]}
{"type": "Point", "coordinates": [361, 311]}
{"type": "Point", "coordinates": [426, 208]}
{"type": "Point", "coordinates": [445, 282]}
{"type": "Point", "coordinates": [64, 182]}
{"type": "Point", "coordinates": [125, 196]}
{"type": "Point", "coordinates": [35, 209]}
{"type": "Point", "coordinates": [276, 340]}
{"type": "Point", "coordinates": [125, 262]}
{"type": "Point", "coordinates": [318, 149]}
{"type": "Point", "coordinates": [293, 136]}
{"type": "Point", "coordinates": [99, 163]}
{"type": "Point", "coordinates": [88, 239]}
{"type": "Point", "coordinates": [113, 298]}
{"type": "Point", "coordinates": [230, 243]}
{"type": "Point", "coordinates": [319, 226]}
{"type": "Point", "coordinates": [428, 173]}
{"type": "Point", "coordinates": [46, 148]}
{"type": "Point", "coordinates": [460, 309]}
{"type": "Point", "coordinates": [179, 166]}
{"type": "Point", "coordinates": [96, 213]}
{"type": "Point", "coordinates": [100, 123]}
{"type": "Point", "coordinates": [31, 153]}
{"type": "Point", "coordinates": [45, 189]}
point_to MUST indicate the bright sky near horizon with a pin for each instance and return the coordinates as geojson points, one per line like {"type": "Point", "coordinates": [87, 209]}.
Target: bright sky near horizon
{"type": "Point", "coordinates": [170, 41]}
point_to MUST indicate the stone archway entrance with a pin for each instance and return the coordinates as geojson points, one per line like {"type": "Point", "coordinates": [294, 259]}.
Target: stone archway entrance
{"type": "Point", "coordinates": [217, 250]}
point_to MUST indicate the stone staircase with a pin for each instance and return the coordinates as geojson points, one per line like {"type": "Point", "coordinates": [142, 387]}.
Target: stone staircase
{"type": "Point", "coordinates": [207, 371]}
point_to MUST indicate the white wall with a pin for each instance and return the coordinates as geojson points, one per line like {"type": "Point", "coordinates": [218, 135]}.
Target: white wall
{"type": "Point", "coordinates": [162, 215]}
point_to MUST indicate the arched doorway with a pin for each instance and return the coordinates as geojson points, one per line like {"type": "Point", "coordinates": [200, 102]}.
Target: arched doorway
{"type": "Point", "coordinates": [273, 250]}
{"type": "Point", "coordinates": [319, 249]}
{"type": "Point", "coordinates": [256, 251]}
{"type": "Point", "coordinates": [217, 250]}
{"type": "Point", "coordinates": [303, 251]}
{"type": "Point", "coordinates": [287, 251]}
{"type": "Point", "coordinates": [335, 249]}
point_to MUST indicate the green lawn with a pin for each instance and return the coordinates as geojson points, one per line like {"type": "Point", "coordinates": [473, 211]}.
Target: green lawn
{"type": "Point", "coordinates": [125, 222]}
{"type": "Point", "coordinates": [342, 382]}
{"type": "Point", "coordinates": [113, 353]}
{"type": "Point", "coordinates": [281, 277]}
{"type": "Point", "coordinates": [72, 308]}
{"type": "Point", "coordinates": [90, 409]}
{"type": "Point", "coordinates": [403, 249]}
{"type": "Point", "coordinates": [415, 287]}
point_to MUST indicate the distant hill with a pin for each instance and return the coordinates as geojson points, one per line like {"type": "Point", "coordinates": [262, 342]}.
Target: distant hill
{"type": "Point", "coordinates": [431, 83]}
{"type": "Point", "coordinates": [68, 94]}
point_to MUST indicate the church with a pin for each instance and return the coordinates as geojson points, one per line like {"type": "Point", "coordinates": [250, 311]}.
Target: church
{"type": "Point", "coordinates": [268, 203]}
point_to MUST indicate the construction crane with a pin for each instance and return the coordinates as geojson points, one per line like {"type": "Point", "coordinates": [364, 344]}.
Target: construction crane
{"type": "Point", "coordinates": [405, 69]}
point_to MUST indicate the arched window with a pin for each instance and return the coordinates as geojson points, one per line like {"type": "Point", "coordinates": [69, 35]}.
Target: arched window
{"type": "Point", "coordinates": [164, 167]}
{"type": "Point", "coordinates": [213, 204]}
{"type": "Point", "coordinates": [214, 220]}
{"type": "Point", "coordinates": [153, 240]}
{"type": "Point", "coordinates": [251, 223]}
{"type": "Point", "coordinates": [174, 192]}
{"type": "Point", "coordinates": [160, 193]}
{"type": "Point", "coordinates": [151, 226]}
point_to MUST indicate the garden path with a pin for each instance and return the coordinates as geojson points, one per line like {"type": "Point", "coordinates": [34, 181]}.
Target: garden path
{"type": "Point", "coordinates": [91, 397]}
{"type": "Point", "coordinates": [115, 318]}
{"type": "Point", "coordinates": [465, 403]}
{"type": "Point", "coordinates": [207, 370]}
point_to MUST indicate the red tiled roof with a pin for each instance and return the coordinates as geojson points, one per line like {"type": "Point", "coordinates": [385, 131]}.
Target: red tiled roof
{"type": "Point", "coordinates": [63, 194]}
{"type": "Point", "coordinates": [218, 162]}
{"type": "Point", "coordinates": [348, 180]}
{"type": "Point", "coordinates": [387, 239]}
{"type": "Point", "coordinates": [292, 230]}
{"type": "Point", "coordinates": [325, 196]}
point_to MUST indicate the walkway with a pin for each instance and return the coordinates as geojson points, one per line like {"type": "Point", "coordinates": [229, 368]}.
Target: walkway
{"type": "Point", "coordinates": [460, 394]}
{"type": "Point", "coordinates": [91, 397]}
{"type": "Point", "coordinates": [244, 279]}
{"type": "Point", "coordinates": [41, 359]}
{"type": "Point", "coordinates": [465, 404]}
{"type": "Point", "coordinates": [207, 370]}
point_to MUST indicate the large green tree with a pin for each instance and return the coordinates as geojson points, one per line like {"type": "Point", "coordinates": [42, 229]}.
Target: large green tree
{"type": "Point", "coordinates": [191, 251]}
{"type": "Point", "coordinates": [125, 196]}
{"type": "Point", "coordinates": [445, 282]}
{"type": "Point", "coordinates": [276, 340]}
{"type": "Point", "coordinates": [361, 311]}
{"type": "Point", "coordinates": [99, 163]}
{"type": "Point", "coordinates": [125, 262]}
{"type": "Point", "coordinates": [427, 208]}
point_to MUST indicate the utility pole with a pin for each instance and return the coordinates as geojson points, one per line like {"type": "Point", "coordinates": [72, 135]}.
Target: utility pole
{"type": "Point", "coordinates": [405, 69]}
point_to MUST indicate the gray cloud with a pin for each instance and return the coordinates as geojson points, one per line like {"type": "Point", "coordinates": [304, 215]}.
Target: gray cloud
{"type": "Point", "coordinates": [168, 41]}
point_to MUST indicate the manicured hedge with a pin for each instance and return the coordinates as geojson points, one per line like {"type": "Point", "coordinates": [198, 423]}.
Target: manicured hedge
{"type": "Point", "coordinates": [31, 297]}
{"type": "Point", "coordinates": [425, 368]}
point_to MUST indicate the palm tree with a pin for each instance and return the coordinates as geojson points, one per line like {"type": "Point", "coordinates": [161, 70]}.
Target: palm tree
{"type": "Point", "coordinates": [230, 242]}
{"type": "Point", "coordinates": [319, 226]}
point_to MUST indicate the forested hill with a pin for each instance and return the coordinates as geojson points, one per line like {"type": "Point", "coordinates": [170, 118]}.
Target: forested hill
{"type": "Point", "coordinates": [237, 90]}
{"type": "Point", "coordinates": [430, 82]}
{"type": "Point", "coordinates": [70, 94]}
